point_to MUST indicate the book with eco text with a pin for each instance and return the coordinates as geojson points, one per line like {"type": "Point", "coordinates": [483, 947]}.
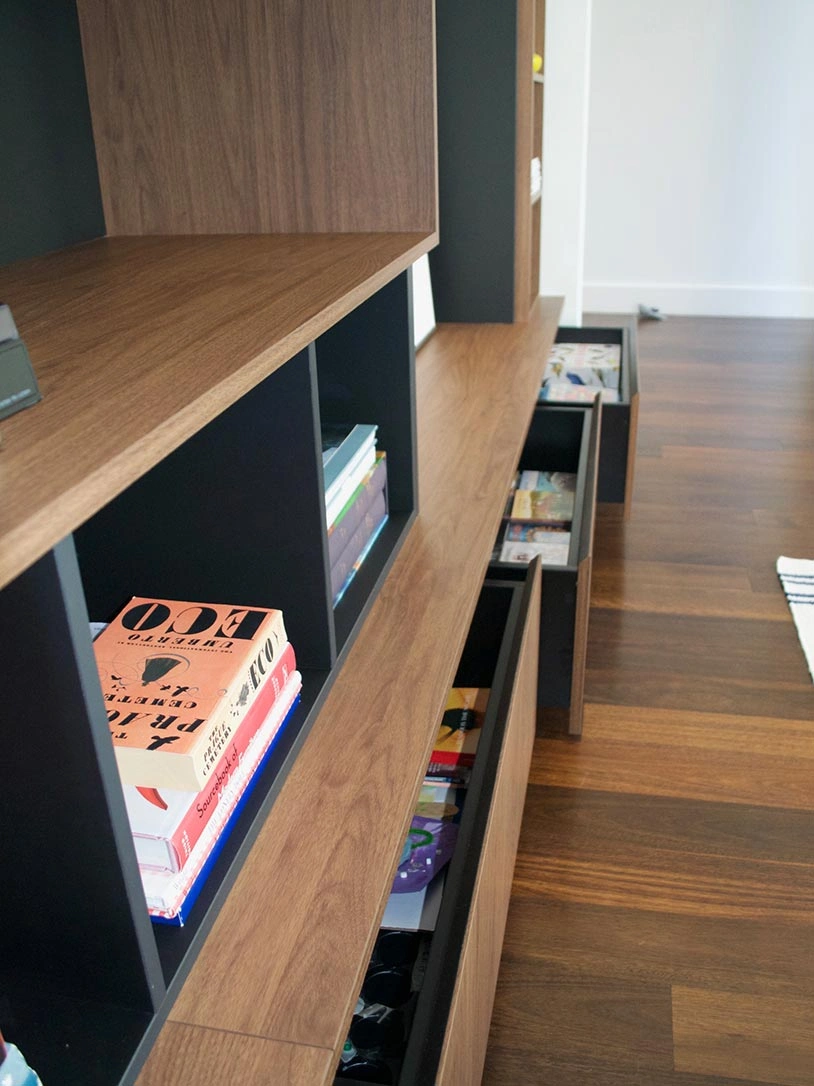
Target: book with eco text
{"type": "Point", "coordinates": [177, 678]}
{"type": "Point", "coordinates": [165, 823]}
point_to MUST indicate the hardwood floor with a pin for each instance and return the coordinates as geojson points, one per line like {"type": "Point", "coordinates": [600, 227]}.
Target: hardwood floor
{"type": "Point", "coordinates": [661, 928]}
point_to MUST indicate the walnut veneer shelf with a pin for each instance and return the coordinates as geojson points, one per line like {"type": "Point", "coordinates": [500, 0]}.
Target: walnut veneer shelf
{"type": "Point", "coordinates": [139, 342]}
{"type": "Point", "coordinates": [286, 956]}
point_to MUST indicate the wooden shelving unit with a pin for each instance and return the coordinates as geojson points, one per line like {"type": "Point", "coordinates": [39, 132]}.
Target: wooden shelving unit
{"type": "Point", "coordinates": [268, 174]}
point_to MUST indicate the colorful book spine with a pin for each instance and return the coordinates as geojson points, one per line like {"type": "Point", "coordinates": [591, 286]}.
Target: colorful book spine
{"type": "Point", "coordinates": [352, 512]}
{"type": "Point", "coordinates": [177, 678]}
{"type": "Point", "coordinates": [361, 559]}
{"type": "Point", "coordinates": [167, 824]}
{"type": "Point", "coordinates": [370, 522]}
{"type": "Point", "coordinates": [336, 501]}
{"type": "Point", "coordinates": [170, 896]}
{"type": "Point", "coordinates": [341, 444]}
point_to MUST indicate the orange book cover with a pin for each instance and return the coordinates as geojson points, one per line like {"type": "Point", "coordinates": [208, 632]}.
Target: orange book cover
{"type": "Point", "coordinates": [177, 679]}
{"type": "Point", "coordinates": [460, 727]}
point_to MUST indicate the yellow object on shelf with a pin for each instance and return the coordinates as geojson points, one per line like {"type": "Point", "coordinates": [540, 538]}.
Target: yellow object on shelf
{"type": "Point", "coordinates": [537, 62]}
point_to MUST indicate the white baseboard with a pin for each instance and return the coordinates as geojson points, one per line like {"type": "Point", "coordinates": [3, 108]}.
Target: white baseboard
{"type": "Point", "coordinates": [700, 300]}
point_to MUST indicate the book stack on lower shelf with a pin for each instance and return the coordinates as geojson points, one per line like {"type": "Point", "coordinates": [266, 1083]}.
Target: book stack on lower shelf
{"type": "Point", "coordinates": [196, 697]}
{"type": "Point", "coordinates": [538, 518]}
{"type": "Point", "coordinates": [355, 476]}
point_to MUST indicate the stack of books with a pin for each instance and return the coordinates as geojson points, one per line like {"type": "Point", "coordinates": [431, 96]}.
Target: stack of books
{"type": "Point", "coordinates": [197, 696]}
{"type": "Point", "coordinates": [355, 474]}
{"type": "Point", "coordinates": [579, 372]}
{"type": "Point", "coordinates": [538, 518]}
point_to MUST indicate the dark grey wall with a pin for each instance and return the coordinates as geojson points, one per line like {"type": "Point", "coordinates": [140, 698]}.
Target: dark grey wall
{"type": "Point", "coordinates": [473, 266]}
{"type": "Point", "coordinates": [49, 186]}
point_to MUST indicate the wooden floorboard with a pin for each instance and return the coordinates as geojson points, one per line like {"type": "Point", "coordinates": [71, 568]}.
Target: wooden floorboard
{"type": "Point", "coordinates": [661, 929]}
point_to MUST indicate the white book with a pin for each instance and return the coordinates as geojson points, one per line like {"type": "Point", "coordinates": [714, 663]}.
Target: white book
{"type": "Point", "coordinates": [553, 552]}
{"type": "Point", "coordinates": [166, 891]}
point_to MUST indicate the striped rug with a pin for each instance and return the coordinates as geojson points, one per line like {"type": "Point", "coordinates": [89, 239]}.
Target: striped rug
{"type": "Point", "coordinates": [797, 578]}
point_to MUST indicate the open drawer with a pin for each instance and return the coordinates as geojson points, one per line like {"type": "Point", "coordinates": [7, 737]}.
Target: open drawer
{"type": "Point", "coordinates": [617, 452]}
{"type": "Point", "coordinates": [449, 1028]}
{"type": "Point", "coordinates": [563, 438]}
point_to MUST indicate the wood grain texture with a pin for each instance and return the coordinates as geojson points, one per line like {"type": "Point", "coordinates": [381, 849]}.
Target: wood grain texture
{"type": "Point", "coordinates": [263, 116]}
{"type": "Point", "coordinates": [630, 472]}
{"type": "Point", "coordinates": [539, 27]}
{"type": "Point", "coordinates": [703, 664]}
{"type": "Point", "coordinates": [648, 948]}
{"type": "Point", "coordinates": [583, 607]}
{"type": "Point", "coordinates": [303, 906]}
{"type": "Point", "coordinates": [181, 327]}
{"type": "Point", "coordinates": [629, 1025]}
{"type": "Point", "coordinates": [719, 757]}
{"type": "Point", "coordinates": [468, 1024]}
{"type": "Point", "coordinates": [524, 144]}
{"type": "Point", "coordinates": [746, 1036]}
{"type": "Point", "coordinates": [663, 854]}
{"type": "Point", "coordinates": [687, 589]}
{"type": "Point", "coordinates": [664, 877]}
{"type": "Point", "coordinates": [188, 1056]}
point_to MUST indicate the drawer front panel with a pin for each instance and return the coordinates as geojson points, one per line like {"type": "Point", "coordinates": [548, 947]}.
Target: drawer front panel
{"type": "Point", "coordinates": [468, 1024]}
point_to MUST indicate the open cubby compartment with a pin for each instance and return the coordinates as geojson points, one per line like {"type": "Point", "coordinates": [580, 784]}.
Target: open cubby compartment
{"type": "Point", "coordinates": [564, 438]}
{"type": "Point", "coordinates": [366, 374]}
{"type": "Point", "coordinates": [617, 452]}
{"type": "Point", "coordinates": [233, 515]}
{"type": "Point", "coordinates": [490, 658]}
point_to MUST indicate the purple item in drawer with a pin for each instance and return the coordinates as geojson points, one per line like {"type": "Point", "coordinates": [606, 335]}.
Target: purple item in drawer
{"type": "Point", "coordinates": [431, 842]}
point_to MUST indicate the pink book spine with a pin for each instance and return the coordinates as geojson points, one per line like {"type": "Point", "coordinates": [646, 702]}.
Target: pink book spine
{"type": "Point", "coordinates": [204, 803]}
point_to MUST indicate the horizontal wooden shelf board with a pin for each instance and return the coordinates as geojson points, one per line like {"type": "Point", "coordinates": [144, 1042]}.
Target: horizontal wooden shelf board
{"type": "Point", "coordinates": [286, 956]}
{"type": "Point", "coordinates": [185, 1056]}
{"type": "Point", "coordinates": [139, 342]}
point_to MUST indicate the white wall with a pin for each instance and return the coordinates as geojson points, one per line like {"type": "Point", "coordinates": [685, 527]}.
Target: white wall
{"type": "Point", "coordinates": [565, 135]}
{"type": "Point", "coordinates": [700, 175]}
{"type": "Point", "coordinates": [423, 305]}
